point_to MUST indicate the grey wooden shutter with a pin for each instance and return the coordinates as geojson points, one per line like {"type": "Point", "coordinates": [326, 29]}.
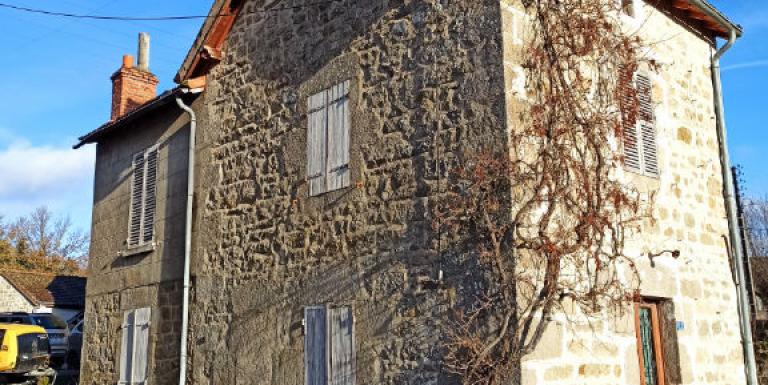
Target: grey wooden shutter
{"type": "Point", "coordinates": [142, 319]}
{"type": "Point", "coordinates": [338, 137]}
{"type": "Point", "coordinates": [342, 346]}
{"type": "Point", "coordinates": [315, 348]}
{"type": "Point", "coordinates": [317, 143]}
{"type": "Point", "coordinates": [137, 199]}
{"type": "Point", "coordinates": [148, 221]}
{"type": "Point", "coordinates": [126, 348]}
{"type": "Point", "coordinates": [647, 125]}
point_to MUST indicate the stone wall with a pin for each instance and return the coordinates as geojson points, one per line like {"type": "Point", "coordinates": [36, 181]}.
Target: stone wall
{"type": "Point", "coordinates": [11, 299]}
{"type": "Point", "coordinates": [117, 282]}
{"type": "Point", "coordinates": [426, 83]}
{"type": "Point", "coordinates": [690, 217]}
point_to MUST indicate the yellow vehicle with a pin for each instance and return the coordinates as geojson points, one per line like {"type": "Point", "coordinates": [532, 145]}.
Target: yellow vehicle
{"type": "Point", "coordinates": [25, 355]}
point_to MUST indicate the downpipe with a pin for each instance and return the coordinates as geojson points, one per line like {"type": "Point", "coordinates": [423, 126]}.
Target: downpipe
{"type": "Point", "coordinates": [187, 231]}
{"type": "Point", "coordinates": [730, 200]}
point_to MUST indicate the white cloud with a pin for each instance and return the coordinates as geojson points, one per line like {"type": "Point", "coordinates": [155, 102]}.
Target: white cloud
{"type": "Point", "coordinates": [748, 64]}
{"type": "Point", "coordinates": [28, 171]}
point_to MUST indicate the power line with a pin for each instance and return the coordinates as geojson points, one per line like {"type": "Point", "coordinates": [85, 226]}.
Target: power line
{"type": "Point", "coordinates": [98, 17]}
{"type": "Point", "coordinates": [151, 18]}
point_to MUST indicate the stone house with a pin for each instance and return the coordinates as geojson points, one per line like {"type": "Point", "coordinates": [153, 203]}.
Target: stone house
{"type": "Point", "coordinates": [36, 292]}
{"type": "Point", "coordinates": [322, 130]}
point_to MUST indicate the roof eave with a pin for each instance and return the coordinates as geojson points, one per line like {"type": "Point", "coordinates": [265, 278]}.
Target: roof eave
{"type": "Point", "coordinates": [107, 128]}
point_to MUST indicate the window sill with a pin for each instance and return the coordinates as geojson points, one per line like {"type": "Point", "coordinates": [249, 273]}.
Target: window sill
{"type": "Point", "coordinates": [136, 250]}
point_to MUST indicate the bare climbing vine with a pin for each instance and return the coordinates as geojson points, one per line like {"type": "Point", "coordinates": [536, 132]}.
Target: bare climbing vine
{"type": "Point", "coordinates": [548, 221]}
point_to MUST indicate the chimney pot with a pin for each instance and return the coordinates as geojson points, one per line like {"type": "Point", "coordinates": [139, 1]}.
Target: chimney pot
{"type": "Point", "coordinates": [127, 61]}
{"type": "Point", "coordinates": [133, 86]}
{"type": "Point", "coordinates": [144, 51]}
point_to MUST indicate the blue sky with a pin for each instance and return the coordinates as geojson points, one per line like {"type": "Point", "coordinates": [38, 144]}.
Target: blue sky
{"type": "Point", "coordinates": [54, 86]}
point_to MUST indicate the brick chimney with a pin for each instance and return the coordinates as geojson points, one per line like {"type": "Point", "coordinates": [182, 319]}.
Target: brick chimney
{"type": "Point", "coordinates": [133, 86]}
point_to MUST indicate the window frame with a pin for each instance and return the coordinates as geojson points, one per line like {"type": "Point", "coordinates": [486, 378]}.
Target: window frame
{"type": "Point", "coordinates": [628, 8]}
{"type": "Point", "coordinates": [144, 224]}
{"type": "Point", "coordinates": [658, 347]}
{"type": "Point", "coordinates": [639, 126]}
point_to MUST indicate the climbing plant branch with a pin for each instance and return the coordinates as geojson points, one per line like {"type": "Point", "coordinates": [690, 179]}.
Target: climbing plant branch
{"type": "Point", "coordinates": [548, 220]}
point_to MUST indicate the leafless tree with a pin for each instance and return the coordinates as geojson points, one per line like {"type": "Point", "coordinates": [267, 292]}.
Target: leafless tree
{"type": "Point", "coordinates": [547, 221]}
{"type": "Point", "coordinates": [756, 215]}
{"type": "Point", "coordinates": [43, 234]}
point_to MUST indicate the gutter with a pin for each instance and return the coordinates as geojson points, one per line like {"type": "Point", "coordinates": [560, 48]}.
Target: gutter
{"type": "Point", "coordinates": [187, 230]}
{"type": "Point", "coordinates": [736, 243]}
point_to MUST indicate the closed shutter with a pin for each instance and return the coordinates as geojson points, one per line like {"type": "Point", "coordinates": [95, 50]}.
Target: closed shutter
{"type": "Point", "coordinates": [338, 137]}
{"type": "Point", "coordinates": [317, 143]}
{"type": "Point", "coordinates": [143, 197]}
{"type": "Point", "coordinates": [315, 348]}
{"type": "Point", "coordinates": [342, 346]}
{"type": "Point", "coordinates": [148, 222]}
{"type": "Point", "coordinates": [670, 348]}
{"type": "Point", "coordinates": [126, 348]}
{"type": "Point", "coordinates": [141, 345]}
{"type": "Point", "coordinates": [647, 125]}
{"type": "Point", "coordinates": [630, 139]}
{"type": "Point", "coordinates": [135, 347]}
{"type": "Point", "coordinates": [137, 199]}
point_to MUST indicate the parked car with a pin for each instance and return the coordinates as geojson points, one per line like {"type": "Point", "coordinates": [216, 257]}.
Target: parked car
{"type": "Point", "coordinates": [58, 334]}
{"type": "Point", "coordinates": [76, 344]}
{"type": "Point", "coordinates": [24, 355]}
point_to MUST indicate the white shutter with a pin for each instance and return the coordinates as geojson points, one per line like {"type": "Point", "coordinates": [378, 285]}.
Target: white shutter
{"type": "Point", "coordinates": [315, 348]}
{"type": "Point", "coordinates": [150, 180]}
{"type": "Point", "coordinates": [342, 346]}
{"type": "Point", "coordinates": [647, 126]}
{"type": "Point", "coordinates": [317, 143]}
{"type": "Point", "coordinates": [338, 137]}
{"type": "Point", "coordinates": [142, 319]}
{"type": "Point", "coordinates": [126, 348]}
{"type": "Point", "coordinates": [137, 199]}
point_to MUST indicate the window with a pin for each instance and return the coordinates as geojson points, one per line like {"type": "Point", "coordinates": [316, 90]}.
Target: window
{"type": "Point", "coordinates": [628, 7]}
{"type": "Point", "coordinates": [657, 349]}
{"type": "Point", "coordinates": [329, 346]}
{"type": "Point", "coordinates": [328, 140]}
{"type": "Point", "coordinates": [134, 348]}
{"type": "Point", "coordinates": [639, 128]}
{"type": "Point", "coordinates": [142, 214]}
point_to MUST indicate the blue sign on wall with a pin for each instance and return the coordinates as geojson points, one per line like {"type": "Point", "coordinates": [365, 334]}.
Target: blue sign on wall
{"type": "Point", "coordinates": [680, 325]}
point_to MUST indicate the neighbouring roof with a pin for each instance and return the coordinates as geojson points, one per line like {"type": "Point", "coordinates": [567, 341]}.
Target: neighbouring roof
{"type": "Point", "coordinates": [162, 100]}
{"type": "Point", "coordinates": [51, 290]}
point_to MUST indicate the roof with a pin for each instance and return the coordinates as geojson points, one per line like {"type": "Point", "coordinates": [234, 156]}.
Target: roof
{"type": "Point", "coordinates": [206, 49]}
{"type": "Point", "coordinates": [22, 329]}
{"type": "Point", "coordinates": [705, 16]}
{"type": "Point", "coordinates": [65, 291]}
{"type": "Point", "coordinates": [162, 100]}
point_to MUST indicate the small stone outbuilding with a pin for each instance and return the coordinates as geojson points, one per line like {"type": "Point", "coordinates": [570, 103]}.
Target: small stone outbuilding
{"type": "Point", "coordinates": [28, 291]}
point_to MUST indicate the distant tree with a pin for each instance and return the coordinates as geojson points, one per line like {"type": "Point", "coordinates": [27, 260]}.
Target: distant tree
{"type": "Point", "coordinates": [756, 216]}
{"type": "Point", "coordinates": [43, 241]}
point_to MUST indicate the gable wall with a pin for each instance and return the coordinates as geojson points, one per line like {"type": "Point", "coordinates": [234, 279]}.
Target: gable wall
{"type": "Point", "coordinates": [117, 282]}
{"type": "Point", "coordinates": [690, 217]}
{"type": "Point", "coordinates": [265, 249]}
{"type": "Point", "coordinates": [11, 299]}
